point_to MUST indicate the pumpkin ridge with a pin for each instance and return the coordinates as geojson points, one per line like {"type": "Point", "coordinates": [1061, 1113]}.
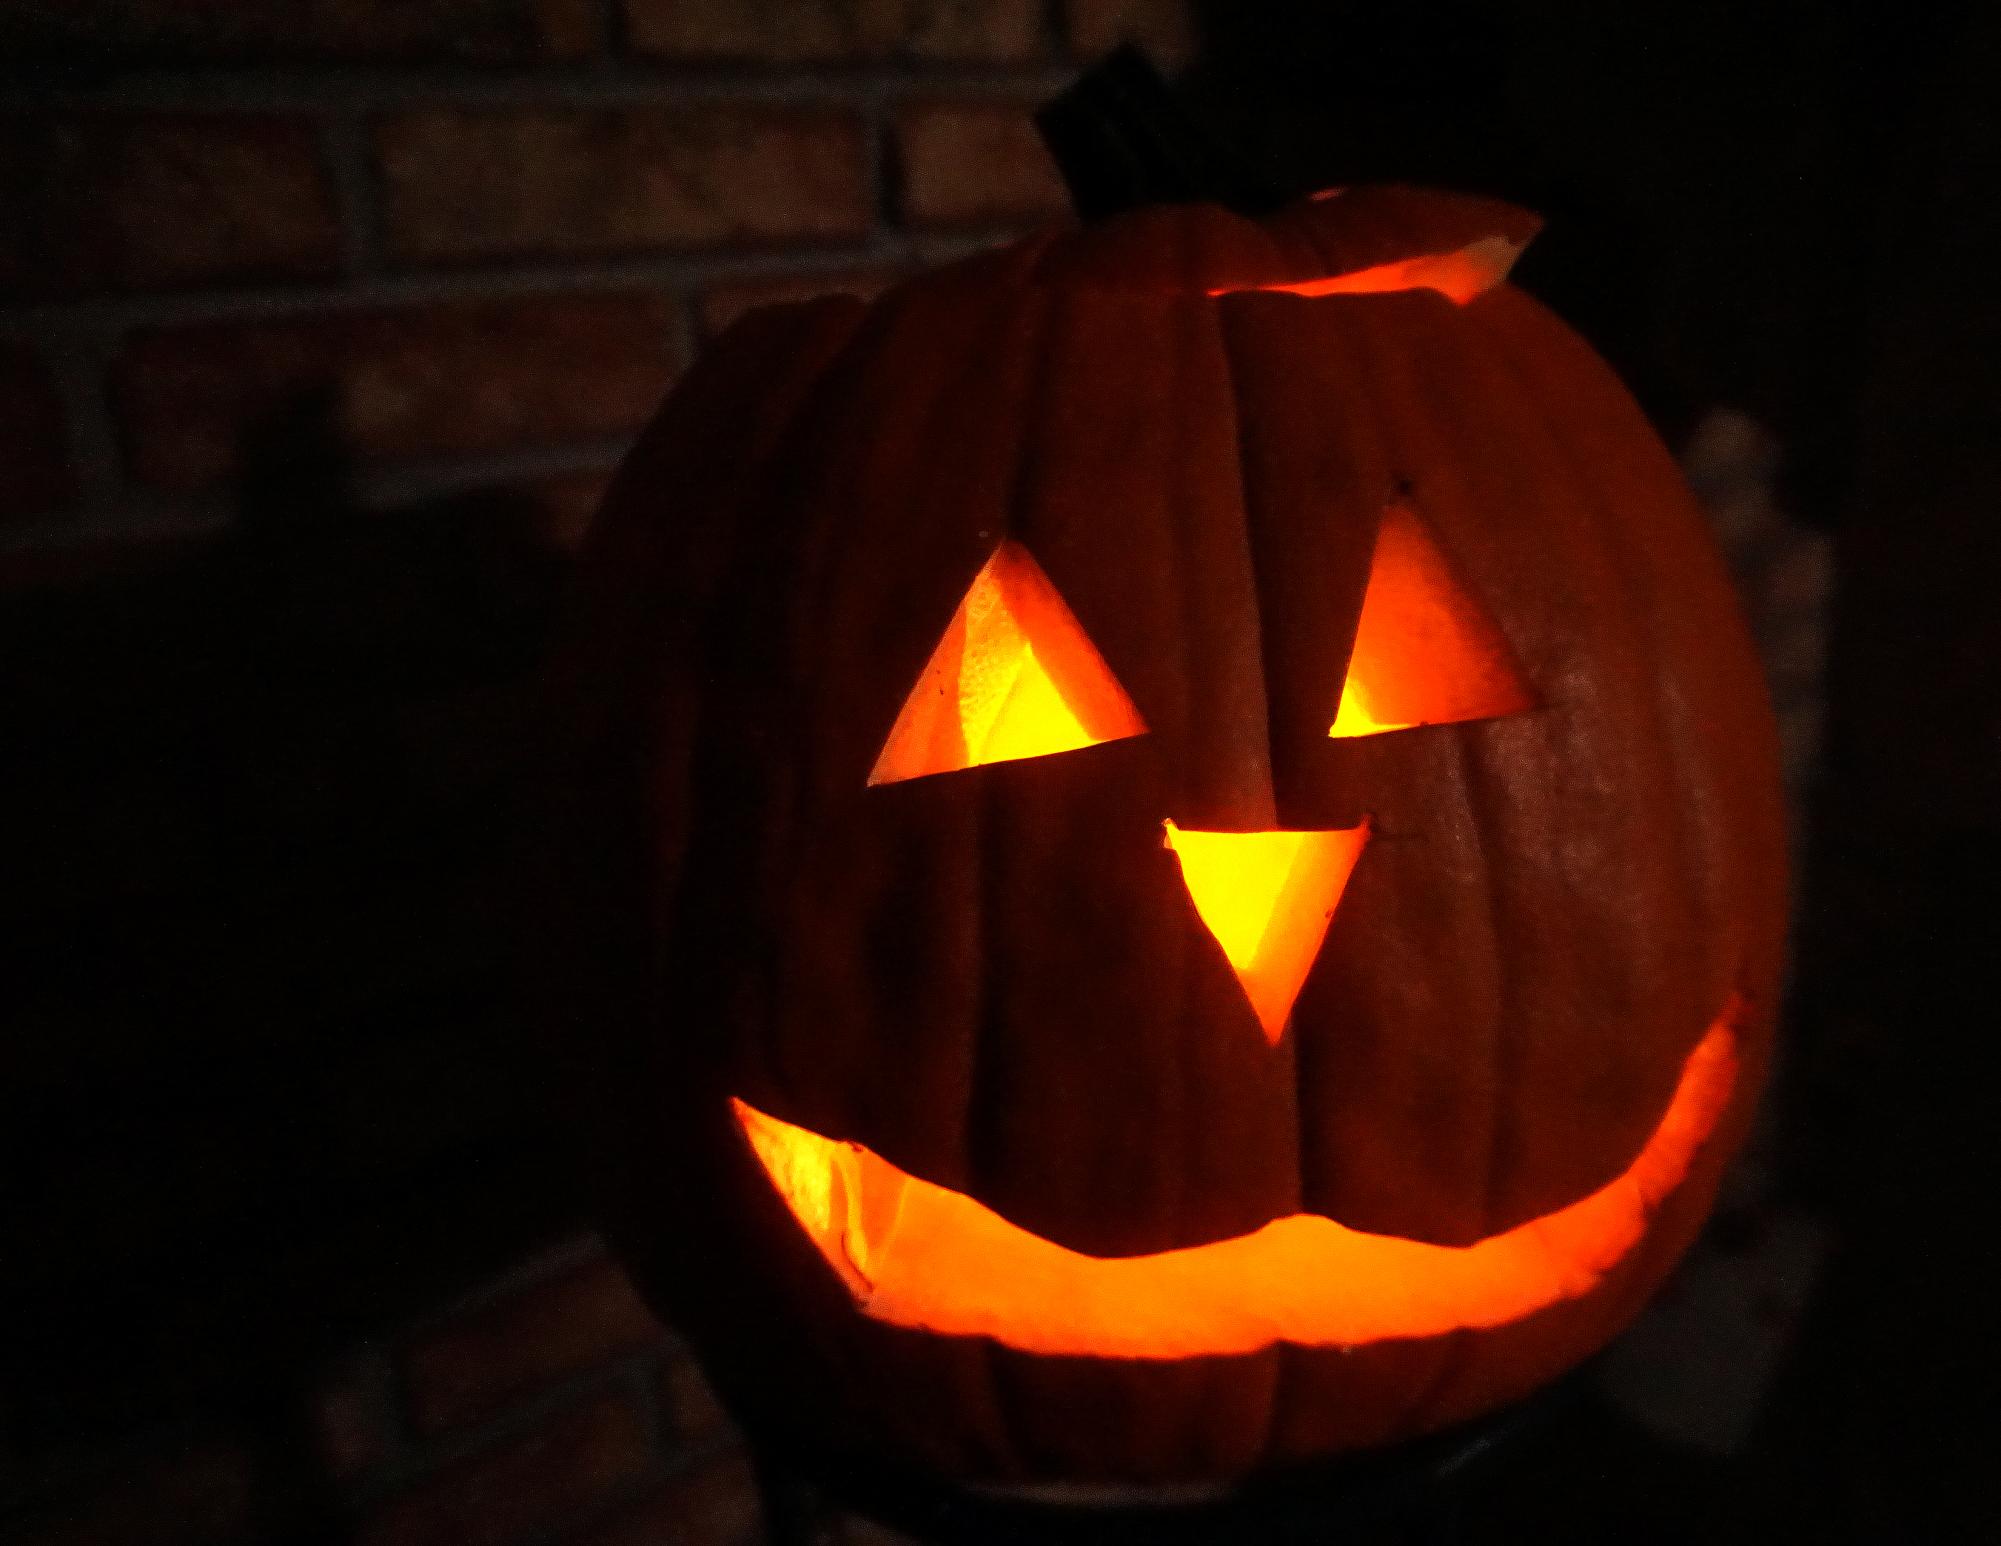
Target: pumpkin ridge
{"type": "Point", "coordinates": [1366, 332]}
{"type": "Point", "coordinates": [875, 489]}
{"type": "Point", "coordinates": [1184, 636]}
{"type": "Point", "coordinates": [1217, 316]}
{"type": "Point", "coordinates": [1392, 362]}
{"type": "Point", "coordinates": [1717, 882]}
{"type": "Point", "coordinates": [1479, 1367]}
{"type": "Point", "coordinates": [833, 405]}
{"type": "Point", "coordinates": [1012, 318]}
{"type": "Point", "coordinates": [987, 1145]}
{"type": "Point", "coordinates": [1479, 808]}
{"type": "Point", "coordinates": [1613, 534]}
{"type": "Point", "coordinates": [835, 402]}
{"type": "Point", "coordinates": [719, 636]}
{"type": "Point", "coordinates": [980, 1140]}
{"type": "Point", "coordinates": [981, 1032]}
{"type": "Point", "coordinates": [1530, 402]}
{"type": "Point", "coordinates": [1253, 790]}
{"type": "Point", "coordinates": [1208, 318]}
{"type": "Point", "coordinates": [1615, 538]}
{"type": "Point", "coordinates": [1287, 496]}
{"type": "Point", "coordinates": [1022, 332]}
{"type": "Point", "coordinates": [1343, 334]}
{"type": "Point", "coordinates": [1400, 364]}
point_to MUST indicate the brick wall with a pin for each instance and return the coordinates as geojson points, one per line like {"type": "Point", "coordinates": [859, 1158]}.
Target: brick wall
{"type": "Point", "coordinates": [545, 1405]}
{"type": "Point", "coordinates": [482, 234]}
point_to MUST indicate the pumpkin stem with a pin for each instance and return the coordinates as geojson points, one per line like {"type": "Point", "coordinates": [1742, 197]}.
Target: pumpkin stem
{"type": "Point", "coordinates": [1121, 142]}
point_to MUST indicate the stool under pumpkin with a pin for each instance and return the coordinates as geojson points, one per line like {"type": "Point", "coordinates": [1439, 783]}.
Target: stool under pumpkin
{"type": "Point", "coordinates": [1181, 845]}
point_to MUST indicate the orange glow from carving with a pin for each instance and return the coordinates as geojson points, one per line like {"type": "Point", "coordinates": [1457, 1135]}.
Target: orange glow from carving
{"type": "Point", "coordinates": [923, 1256]}
{"type": "Point", "coordinates": [1014, 676]}
{"type": "Point", "coordinates": [1425, 652]}
{"type": "Point", "coordinates": [1471, 271]}
{"type": "Point", "coordinates": [1268, 898]}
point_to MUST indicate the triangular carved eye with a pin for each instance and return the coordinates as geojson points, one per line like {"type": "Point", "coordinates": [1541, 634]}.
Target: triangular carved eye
{"type": "Point", "coordinates": [1014, 676]}
{"type": "Point", "coordinates": [1425, 652]}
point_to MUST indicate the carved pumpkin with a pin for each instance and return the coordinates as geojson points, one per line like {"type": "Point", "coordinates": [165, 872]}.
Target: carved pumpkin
{"type": "Point", "coordinates": [1195, 869]}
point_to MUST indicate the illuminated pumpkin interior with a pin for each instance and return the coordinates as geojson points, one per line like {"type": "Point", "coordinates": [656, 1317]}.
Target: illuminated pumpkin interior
{"type": "Point", "coordinates": [1470, 271]}
{"type": "Point", "coordinates": [1268, 897]}
{"type": "Point", "coordinates": [918, 1255]}
{"type": "Point", "coordinates": [1425, 652]}
{"type": "Point", "coordinates": [1014, 676]}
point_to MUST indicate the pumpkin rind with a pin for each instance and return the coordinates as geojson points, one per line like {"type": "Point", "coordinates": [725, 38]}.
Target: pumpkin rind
{"type": "Point", "coordinates": [994, 977]}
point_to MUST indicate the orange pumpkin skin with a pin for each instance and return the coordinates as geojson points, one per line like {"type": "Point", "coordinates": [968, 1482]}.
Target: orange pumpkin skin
{"type": "Point", "coordinates": [994, 979]}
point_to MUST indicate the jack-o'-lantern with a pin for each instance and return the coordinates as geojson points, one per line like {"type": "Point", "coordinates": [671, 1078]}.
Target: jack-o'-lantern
{"type": "Point", "coordinates": [1190, 844]}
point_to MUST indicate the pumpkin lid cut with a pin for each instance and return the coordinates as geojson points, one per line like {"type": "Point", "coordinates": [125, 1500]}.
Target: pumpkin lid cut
{"type": "Point", "coordinates": [1339, 241]}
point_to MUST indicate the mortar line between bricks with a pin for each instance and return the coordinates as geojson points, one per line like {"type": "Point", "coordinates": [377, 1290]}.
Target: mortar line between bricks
{"type": "Point", "coordinates": [501, 280]}
{"type": "Point", "coordinates": [1056, 27]}
{"type": "Point", "coordinates": [266, 91]}
{"type": "Point", "coordinates": [614, 35]}
{"type": "Point", "coordinates": [878, 127]}
{"type": "Point", "coordinates": [387, 488]}
{"type": "Point", "coordinates": [134, 523]}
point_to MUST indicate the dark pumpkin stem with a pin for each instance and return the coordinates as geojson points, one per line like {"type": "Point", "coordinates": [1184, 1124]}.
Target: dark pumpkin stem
{"type": "Point", "coordinates": [1121, 142]}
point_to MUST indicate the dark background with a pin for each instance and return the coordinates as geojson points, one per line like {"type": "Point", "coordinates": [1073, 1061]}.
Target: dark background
{"type": "Point", "coordinates": [312, 360]}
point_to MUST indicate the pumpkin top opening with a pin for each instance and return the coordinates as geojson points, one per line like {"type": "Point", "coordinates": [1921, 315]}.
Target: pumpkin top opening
{"type": "Point", "coordinates": [1341, 241]}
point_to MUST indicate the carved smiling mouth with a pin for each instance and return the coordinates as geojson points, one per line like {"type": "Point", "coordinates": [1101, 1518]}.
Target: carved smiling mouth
{"type": "Point", "coordinates": [922, 1256]}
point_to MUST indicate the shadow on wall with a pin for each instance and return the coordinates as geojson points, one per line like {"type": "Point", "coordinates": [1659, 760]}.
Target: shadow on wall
{"type": "Point", "coordinates": [1721, 181]}
{"type": "Point", "coordinates": [263, 1082]}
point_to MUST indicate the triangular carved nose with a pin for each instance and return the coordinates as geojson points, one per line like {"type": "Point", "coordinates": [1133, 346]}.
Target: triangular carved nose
{"type": "Point", "coordinates": [1268, 898]}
